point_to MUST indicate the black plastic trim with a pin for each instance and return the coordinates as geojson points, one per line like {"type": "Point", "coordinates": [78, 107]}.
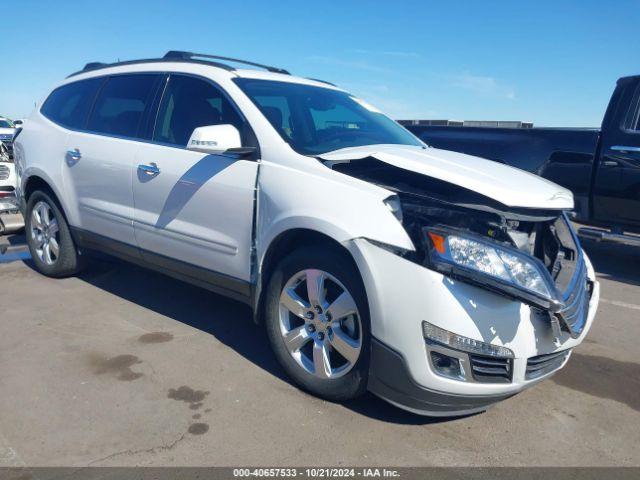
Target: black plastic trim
{"type": "Point", "coordinates": [390, 379]}
{"type": "Point", "coordinates": [217, 282]}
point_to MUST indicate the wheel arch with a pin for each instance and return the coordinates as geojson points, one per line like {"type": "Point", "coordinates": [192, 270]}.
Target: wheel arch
{"type": "Point", "coordinates": [285, 242]}
{"type": "Point", "coordinates": [36, 182]}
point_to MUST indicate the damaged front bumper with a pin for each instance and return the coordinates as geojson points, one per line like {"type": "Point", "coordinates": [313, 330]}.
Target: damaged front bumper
{"type": "Point", "coordinates": [403, 295]}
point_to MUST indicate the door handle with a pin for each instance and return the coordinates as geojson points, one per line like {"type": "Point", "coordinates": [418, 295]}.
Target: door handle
{"type": "Point", "coordinates": [623, 148]}
{"type": "Point", "coordinates": [610, 163]}
{"type": "Point", "coordinates": [74, 154]}
{"type": "Point", "coordinates": [152, 169]}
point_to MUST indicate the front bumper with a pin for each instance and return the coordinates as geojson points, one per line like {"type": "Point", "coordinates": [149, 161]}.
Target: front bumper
{"type": "Point", "coordinates": [403, 294]}
{"type": "Point", "coordinates": [390, 379]}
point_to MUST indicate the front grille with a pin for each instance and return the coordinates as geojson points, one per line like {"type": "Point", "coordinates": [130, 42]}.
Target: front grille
{"type": "Point", "coordinates": [491, 369]}
{"type": "Point", "coordinates": [576, 302]}
{"type": "Point", "coordinates": [4, 172]}
{"type": "Point", "coordinates": [543, 364]}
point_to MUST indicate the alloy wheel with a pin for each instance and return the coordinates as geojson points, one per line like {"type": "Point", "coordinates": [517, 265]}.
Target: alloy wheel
{"type": "Point", "coordinates": [320, 324]}
{"type": "Point", "coordinates": [45, 233]}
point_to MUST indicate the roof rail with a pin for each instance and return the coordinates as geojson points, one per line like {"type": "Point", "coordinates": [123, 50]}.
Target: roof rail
{"type": "Point", "coordinates": [98, 65]}
{"type": "Point", "coordinates": [93, 66]}
{"type": "Point", "coordinates": [177, 54]}
{"type": "Point", "coordinates": [321, 81]}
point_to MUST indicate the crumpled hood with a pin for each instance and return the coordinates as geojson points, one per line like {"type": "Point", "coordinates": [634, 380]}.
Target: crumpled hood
{"type": "Point", "coordinates": [508, 185]}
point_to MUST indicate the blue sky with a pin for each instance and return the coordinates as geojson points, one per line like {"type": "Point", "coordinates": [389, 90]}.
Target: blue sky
{"type": "Point", "coordinates": [551, 62]}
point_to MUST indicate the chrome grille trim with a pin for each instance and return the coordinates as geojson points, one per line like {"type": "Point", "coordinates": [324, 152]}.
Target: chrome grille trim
{"type": "Point", "coordinates": [4, 172]}
{"type": "Point", "coordinates": [574, 314]}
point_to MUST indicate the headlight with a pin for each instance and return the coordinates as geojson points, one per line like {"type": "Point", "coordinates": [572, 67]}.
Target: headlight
{"type": "Point", "coordinates": [493, 265]}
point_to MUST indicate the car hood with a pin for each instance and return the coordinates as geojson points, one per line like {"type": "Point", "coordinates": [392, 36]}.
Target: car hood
{"type": "Point", "coordinates": [7, 131]}
{"type": "Point", "coordinates": [508, 185]}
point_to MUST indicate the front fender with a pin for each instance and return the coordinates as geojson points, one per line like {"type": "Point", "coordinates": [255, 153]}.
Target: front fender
{"type": "Point", "coordinates": [328, 202]}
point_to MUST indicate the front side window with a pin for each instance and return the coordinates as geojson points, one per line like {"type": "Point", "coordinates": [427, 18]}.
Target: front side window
{"type": "Point", "coordinates": [316, 120]}
{"type": "Point", "coordinates": [5, 124]}
{"type": "Point", "coordinates": [69, 104]}
{"type": "Point", "coordinates": [121, 104]}
{"type": "Point", "coordinates": [189, 103]}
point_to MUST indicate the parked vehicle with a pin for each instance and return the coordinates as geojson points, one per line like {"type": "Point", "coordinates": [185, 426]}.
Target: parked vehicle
{"type": "Point", "coordinates": [7, 130]}
{"type": "Point", "coordinates": [10, 217]}
{"type": "Point", "coordinates": [600, 166]}
{"type": "Point", "coordinates": [439, 281]}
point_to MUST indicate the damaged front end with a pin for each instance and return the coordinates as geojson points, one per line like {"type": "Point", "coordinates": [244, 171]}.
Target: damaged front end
{"type": "Point", "coordinates": [531, 255]}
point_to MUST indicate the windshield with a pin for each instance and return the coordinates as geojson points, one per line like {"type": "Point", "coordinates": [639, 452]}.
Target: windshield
{"type": "Point", "coordinates": [315, 120]}
{"type": "Point", "coordinates": [6, 124]}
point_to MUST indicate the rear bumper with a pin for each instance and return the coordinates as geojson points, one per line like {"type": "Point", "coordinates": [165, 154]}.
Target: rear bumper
{"type": "Point", "coordinates": [389, 379]}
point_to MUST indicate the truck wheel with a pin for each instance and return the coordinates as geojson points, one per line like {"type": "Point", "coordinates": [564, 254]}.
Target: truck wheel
{"type": "Point", "coordinates": [50, 243]}
{"type": "Point", "coordinates": [317, 320]}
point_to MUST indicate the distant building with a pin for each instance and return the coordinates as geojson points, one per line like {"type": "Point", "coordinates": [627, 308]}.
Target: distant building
{"type": "Point", "coordinates": [469, 123]}
{"type": "Point", "coordinates": [433, 123]}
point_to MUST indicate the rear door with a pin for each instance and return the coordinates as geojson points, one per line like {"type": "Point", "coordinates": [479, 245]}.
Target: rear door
{"type": "Point", "coordinates": [616, 193]}
{"type": "Point", "coordinates": [100, 157]}
{"type": "Point", "coordinates": [194, 211]}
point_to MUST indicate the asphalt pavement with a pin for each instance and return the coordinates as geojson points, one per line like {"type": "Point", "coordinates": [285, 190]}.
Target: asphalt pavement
{"type": "Point", "coordinates": [123, 366]}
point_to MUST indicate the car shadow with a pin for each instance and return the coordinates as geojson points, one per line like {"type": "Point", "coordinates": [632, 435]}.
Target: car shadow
{"type": "Point", "coordinates": [13, 247]}
{"type": "Point", "coordinates": [188, 185]}
{"type": "Point", "coordinates": [229, 321]}
{"type": "Point", "coordinates": [620, 263]}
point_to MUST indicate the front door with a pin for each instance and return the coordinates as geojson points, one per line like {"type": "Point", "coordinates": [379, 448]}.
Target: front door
{"type": "Point", "coordinates": [194, 210]}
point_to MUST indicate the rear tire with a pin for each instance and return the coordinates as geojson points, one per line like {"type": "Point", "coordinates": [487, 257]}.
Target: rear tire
{"type": "Point", "coordinates": [328, 354]}
{"type": "Point", "coordinates": [48, 236]}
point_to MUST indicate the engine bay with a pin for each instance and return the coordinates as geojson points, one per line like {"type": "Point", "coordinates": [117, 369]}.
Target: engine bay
{"type": "Point", "coordinates": [425, 201]}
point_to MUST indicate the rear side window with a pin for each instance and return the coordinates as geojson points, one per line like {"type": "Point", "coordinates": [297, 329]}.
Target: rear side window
{"type": "Point", "coordinates": [121, 104]}
{"type": "Point", "coordinates": [189, 103]}
{"type": "Point", "coordinates": [69, 105]}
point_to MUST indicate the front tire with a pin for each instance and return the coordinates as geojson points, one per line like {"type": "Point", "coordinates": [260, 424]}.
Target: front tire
{"type": "Point", "coordinates": [52, 248]}
{"type": "Point", "coordinates": [317, 320]}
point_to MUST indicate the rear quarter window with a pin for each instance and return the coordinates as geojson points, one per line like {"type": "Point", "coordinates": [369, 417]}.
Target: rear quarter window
{"type": "Point", "coordinates": [121, 104]}
{"type": "Point", "coordinates": [69, 104]}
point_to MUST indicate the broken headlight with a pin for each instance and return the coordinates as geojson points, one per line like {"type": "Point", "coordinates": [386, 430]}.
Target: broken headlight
{"type": "Point", "coordinates": [491, 265]}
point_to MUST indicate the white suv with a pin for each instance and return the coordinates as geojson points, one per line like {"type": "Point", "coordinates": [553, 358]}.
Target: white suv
{"type": "Point", "coordinates": [439, 281]}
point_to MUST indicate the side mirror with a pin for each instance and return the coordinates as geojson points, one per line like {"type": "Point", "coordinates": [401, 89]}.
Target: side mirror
{"type": "Point", "coordinates": [214, 139]}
